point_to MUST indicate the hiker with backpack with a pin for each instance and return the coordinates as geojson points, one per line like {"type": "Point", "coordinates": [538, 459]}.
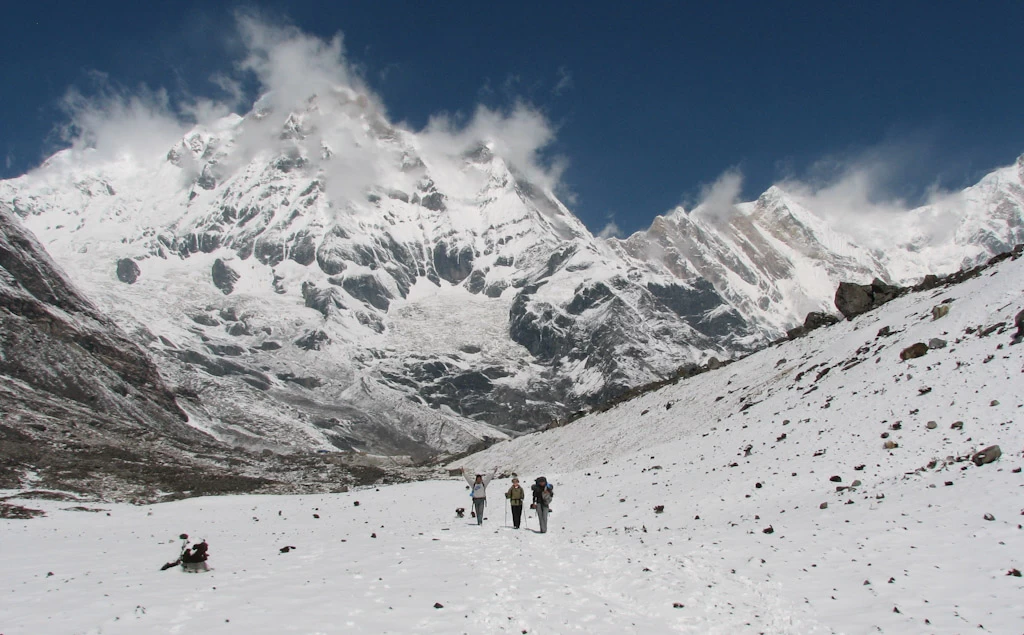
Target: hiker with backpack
{"type": "Point", "coordinates": [543, 492]}
{"type": "Point", "coordinates": [515, 496]}
{"type": "Point", "coordinates": [478, 491]}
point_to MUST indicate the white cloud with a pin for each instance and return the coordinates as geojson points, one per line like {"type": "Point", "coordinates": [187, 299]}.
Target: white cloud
{"type": "Point", "coordinates": [291, 66]}
{"type": "Point", "coordinates": [861, 197]}
{"type": "Point", "coordinates": [114, 123]}
{"type": "Point", "coordinates": [718, 200]}
{"type": "Point", "coordinates": [308, 83]}
{"type": "Point", "coordinates": [518, 135]}
{"type": "Point", "coordinates": [564, 82]}
{"type": "Point", "coordinates": [610, 230]}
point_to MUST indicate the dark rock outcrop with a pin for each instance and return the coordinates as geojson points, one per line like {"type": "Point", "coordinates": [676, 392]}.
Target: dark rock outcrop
{"type": "Point", "coordinates": [988, 455]}
{"type": "Point", "coordinates": [699, 305]}
{"type": "Point", "coordinates": [853, 299]}
{"type": "Point", "coordinates": [477, 281]}
{"type": "Point", "coordinates": [313, 340]}
{"type": "Point", "coordinates": [452, 263]}
{"type": "Point", "coordinates": [305, 382]}
{"type": "Point", "coordinates": [82, 405]}
{"type": "Point", "coordinates": [914, 351]}
{"type": "Point", "coordinates": [818, 319]}
{"type": "Point", "coordinates": [369, 290]}
{"type": "Point", "coordinates": [205, 320]}
{"type": "Point", "coordinates": [224, 277]}
{"type": "Point", "coordinates": [814, 320]}
{"type": "Point", "coordinates": [127, 271]}
{"type": "Point", "coordinates": [323, 300]}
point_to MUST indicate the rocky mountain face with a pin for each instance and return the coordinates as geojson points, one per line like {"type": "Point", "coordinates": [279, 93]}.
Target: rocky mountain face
{"type": "Point", "coordinates": [85, 408]}
{"type": "Point", "coordinates": [322, 279]}
{"type": "Point", "coordinates": [454, 299]}
{"type": "Point", "coordinates": [79, 399]}
{"type": "Point", "coordinates": [776, 260]}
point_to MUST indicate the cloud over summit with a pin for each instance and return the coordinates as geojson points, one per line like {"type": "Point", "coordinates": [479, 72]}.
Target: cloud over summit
{"type": "Point", "coordinates": [286, 71]}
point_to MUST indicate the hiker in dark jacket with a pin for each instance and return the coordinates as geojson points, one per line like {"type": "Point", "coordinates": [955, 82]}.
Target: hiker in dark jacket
{"type": "Point", "coordinates": [515, 496]}
{"type": "Point", "coordinates": [543, 492]}
{"type": "Point", "coordinates": [478, 485]}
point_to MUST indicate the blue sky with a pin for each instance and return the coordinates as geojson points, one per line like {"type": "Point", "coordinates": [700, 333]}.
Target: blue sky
{"type": "Point", "coordinates": [650, 102]}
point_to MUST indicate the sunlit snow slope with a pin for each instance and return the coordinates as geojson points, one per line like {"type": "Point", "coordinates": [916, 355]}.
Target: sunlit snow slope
{"type": "Point", "coordinates": [905, 547]}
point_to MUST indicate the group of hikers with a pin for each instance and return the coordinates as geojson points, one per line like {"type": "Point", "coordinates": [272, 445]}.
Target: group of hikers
{"type": "Point", "coordinates": [541, 490]}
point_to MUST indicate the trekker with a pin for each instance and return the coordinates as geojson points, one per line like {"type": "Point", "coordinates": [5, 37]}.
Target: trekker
{"type": "Point", "coordinates": [515, 496]}
{"type": "Point", "coordinates": [543, 492]}
{"type": "Point", "coordinates": [478, 485]}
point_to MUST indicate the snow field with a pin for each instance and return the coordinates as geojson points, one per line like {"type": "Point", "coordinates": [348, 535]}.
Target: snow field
{"type": "Point", "coordinates": [907, 550]}
{"type": "Point", "coordinates": [906, 544]}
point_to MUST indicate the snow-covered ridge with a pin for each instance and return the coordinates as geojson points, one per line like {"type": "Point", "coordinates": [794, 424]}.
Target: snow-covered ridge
{"type": "Point", "coordinates": [776, 259]}
{"type": "Point", "coordinates": [247, 241]}
{"type": "Point", "coordinates": [324, 279]}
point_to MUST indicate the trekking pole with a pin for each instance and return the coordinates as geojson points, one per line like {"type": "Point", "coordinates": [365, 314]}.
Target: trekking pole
{"type": "Point", "coordinates": [507, 504]}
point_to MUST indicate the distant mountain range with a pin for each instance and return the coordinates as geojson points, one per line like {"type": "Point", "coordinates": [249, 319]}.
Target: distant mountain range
{"type": "Point", "coordinates": [453, 300]}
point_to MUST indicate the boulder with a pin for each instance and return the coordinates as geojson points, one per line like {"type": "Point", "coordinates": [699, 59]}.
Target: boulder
{"type": "Point", "coordinates": [930, 282]}
{"type": "Point", "coordinates": [205, 320]}
{"type": "Point", "coordinates": [988, 455]}
{"type": "Point", "coordinates": [127, 271]}
{"type": "Point", "coordinates": [818, 319]}
{"type": "Point", "coordinates": [936, 342]}
{"type": "Point", "coordinates": [853, 299]}
{"type": "Point", "coordinates": [239, 328]}
{"type": "Point", "coordinates": [224, 277]}
{"type": "Point", "coordinates": [940, 311]}
{"type": "Point", "coordinates": [914, 351]}
{"type": "Point", "coordinates": [313, 340]}
{"type": "Point", "coordinates": [326, 301]}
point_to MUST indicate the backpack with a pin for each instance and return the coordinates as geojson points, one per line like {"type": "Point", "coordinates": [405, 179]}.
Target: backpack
{"type": "Point", "coordinates": [538, 490]}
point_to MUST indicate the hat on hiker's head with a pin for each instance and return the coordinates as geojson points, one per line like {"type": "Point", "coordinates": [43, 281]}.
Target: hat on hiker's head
{"type": "Point", "coordinates": [515, 480]}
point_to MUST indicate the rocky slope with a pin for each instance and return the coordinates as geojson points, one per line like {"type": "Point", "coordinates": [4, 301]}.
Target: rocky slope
{"type": "Point", "coordinates": [775, 259]}
{"type": "Point", "coordinates": [81, 402]}
{"type": "Point", "coordinates": [85, 409]}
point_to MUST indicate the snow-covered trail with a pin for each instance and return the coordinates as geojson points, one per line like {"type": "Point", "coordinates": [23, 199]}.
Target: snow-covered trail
{"type": "Point", "coordinates": [784, 511]}
{"type": "Point", "coordinates": [491, 579]}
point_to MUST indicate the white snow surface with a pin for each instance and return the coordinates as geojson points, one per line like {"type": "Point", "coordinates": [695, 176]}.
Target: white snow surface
{"type": "Point", "coordinates": [906, 550]}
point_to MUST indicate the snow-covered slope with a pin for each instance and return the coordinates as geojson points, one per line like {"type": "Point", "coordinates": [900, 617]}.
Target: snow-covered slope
{"type": "Point", "coordinates": [777, 258]}
{"type": "Point", "coordinates": [765, 443]}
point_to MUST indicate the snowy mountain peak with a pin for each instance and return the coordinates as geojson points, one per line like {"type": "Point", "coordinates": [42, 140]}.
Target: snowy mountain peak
{"type": "Point", "coordinates": [410, 290]}
{"type": "Point", "coordinates": [364, 286]}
